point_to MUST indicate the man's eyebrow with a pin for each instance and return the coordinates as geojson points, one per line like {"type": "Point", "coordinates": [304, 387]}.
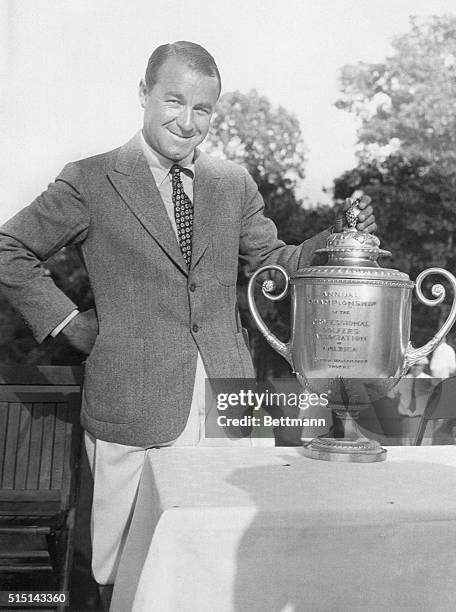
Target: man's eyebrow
{"type": "Point", "coordinates": [174, 94]}
{"type": "Point", "coordinates": [205, 105]}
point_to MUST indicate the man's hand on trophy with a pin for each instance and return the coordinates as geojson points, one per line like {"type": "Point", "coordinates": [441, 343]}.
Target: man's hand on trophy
{"type": "Point", "coordinates": [356, 212]}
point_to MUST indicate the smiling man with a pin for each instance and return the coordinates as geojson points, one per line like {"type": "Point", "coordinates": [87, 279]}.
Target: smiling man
{"type": "Point", "coordinates": [161, 228]}
{"type": "Point", "coordinates": [178, 103]}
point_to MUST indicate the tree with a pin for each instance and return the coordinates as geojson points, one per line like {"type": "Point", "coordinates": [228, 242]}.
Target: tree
{"type": "Point", "coordinates": [246, 129]}
{"type": "Point", "coordinates": [407, 150]}
{"type": "Point", "coordinates": [406, 103]}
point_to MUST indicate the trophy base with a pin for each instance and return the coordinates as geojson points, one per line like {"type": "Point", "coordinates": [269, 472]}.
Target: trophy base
{"type": "Point", "coordinates": [351, 451]}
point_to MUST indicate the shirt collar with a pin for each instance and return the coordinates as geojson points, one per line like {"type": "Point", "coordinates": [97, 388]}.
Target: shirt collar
{"type": "Point", "coordinates": [160, 166]}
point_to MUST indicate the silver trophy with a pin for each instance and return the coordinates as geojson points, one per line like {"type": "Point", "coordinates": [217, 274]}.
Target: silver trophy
{"type": "Point", "coordinates": [350, 330]}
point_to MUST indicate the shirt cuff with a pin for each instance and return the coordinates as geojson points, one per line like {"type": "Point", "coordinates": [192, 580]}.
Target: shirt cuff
{"type": "Point", "coordinates": [64, 323]}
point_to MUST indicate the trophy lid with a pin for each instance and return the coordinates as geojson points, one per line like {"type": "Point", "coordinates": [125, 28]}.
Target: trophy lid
{"type": "Point", "coordinates": [353, 248]}
{"type": "Point", "coordinates": [353, 254]}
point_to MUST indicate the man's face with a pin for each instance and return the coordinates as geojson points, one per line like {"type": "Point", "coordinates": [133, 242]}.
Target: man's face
{"type": "Point", "coordinates": [178, 109]}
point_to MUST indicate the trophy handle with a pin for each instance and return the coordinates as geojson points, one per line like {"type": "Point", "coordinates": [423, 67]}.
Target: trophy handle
{"type": "Point", "coordinates": [438, 291]}
{"type": "Point", "coordinates": [268, 286]}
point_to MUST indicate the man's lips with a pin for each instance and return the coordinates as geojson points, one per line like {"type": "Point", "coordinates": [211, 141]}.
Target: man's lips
{"type": "Point", "coordinates": [181, 136]}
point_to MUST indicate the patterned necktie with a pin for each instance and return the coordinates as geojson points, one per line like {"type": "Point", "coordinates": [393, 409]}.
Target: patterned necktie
{"type": "Point", "coordinates": [183, 213]}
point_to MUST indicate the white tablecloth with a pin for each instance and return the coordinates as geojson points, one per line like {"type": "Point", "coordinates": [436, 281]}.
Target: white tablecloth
{"type": "Point", "coordinates": [266, 529]}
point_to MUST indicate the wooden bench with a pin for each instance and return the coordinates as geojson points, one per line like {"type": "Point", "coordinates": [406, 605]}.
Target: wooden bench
{"type": "Point", "coordinates": [40, 441]}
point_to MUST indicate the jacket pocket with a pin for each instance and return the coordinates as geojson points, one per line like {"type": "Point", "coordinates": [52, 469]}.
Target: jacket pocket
{"type": "Point", "coordinates": [114, 379]}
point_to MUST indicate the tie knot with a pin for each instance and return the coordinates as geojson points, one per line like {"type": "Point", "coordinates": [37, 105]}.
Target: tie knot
{"type": "Point", "coordinates": [176, 173]}
{"type": "Point", "coordinates": [176, 170]}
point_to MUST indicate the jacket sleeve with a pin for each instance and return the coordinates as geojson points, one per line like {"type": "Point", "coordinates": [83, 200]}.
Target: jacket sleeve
{"type": "Point", "coordinates": [259, 244]}
{"type": "Point", "coordinates": [57, 218]}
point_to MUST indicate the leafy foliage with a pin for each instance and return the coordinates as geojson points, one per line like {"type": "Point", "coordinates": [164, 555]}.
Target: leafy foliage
{"type": "Point", "coordinates": [247, 130]}
{"type": "Point", "coordinates": [413, 210]}
{"type": "Point", "coordinates": [407, 102]}
{"type": "Point", "coordinates": [407, 150]}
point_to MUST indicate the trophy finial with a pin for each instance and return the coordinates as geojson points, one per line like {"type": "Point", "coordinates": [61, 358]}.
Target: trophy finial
{"type": "Point", "coordinates": [352, 213]}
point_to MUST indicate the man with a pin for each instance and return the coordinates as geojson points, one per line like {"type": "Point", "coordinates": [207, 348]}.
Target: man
{"type": "Point", "coordinates": [160, 227]}
{"type": "Point", "coordinates": [411, 396]}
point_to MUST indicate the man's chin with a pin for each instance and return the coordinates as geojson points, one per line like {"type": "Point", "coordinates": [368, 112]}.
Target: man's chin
{"type": "Point", "coordinates": [178, 155]}
{"type": "Point", "coordinates": [182, 148]}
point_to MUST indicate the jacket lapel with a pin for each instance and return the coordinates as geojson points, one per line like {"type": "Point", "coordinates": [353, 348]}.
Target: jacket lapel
{"type": "Point", "coordinates": [205, 202]}
{"type": "Point", "coordinates": [134, 182]}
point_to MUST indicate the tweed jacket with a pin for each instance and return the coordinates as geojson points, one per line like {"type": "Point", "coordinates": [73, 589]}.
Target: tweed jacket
{"type": "Point", "coordinates": [154, 314]}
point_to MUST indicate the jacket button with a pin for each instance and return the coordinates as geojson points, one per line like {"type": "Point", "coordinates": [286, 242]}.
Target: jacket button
{"type": "Point", "coordinates": [195, 328]}
{"type": "Point", "coordinates": [192, 287]}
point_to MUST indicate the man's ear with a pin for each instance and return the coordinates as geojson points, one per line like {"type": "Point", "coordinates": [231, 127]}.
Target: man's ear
{"type": "Point", "coordinates": [142, 92]}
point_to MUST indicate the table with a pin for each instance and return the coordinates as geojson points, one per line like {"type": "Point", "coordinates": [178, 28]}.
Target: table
{"type": "Point", "coordinates": [266, 529]}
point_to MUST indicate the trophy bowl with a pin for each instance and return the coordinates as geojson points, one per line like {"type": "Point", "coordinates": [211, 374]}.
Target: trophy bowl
{"type": "Point", "coordinates": [350, 330]}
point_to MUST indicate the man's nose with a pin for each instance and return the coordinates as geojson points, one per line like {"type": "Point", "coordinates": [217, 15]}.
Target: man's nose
{"type": "Point", "coordinates": [185, 120]}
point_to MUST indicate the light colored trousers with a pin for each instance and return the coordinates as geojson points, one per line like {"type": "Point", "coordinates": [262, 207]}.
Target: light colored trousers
{"type": "Point", "coordinates": [116, 471]}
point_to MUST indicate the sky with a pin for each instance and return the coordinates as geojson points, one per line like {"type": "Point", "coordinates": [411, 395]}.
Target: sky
{"type": "Point", "coordinates": [69, 73]}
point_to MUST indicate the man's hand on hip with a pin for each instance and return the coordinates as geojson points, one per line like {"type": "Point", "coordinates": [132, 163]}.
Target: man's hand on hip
{"type": "Point", "coordinates": [82, 331]}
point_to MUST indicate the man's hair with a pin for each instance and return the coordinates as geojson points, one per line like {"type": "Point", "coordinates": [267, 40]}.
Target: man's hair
{"type": "Point", "coordinates": [195, 56]}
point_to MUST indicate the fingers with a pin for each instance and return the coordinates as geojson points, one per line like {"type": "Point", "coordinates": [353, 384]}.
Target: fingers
{"type": "Point", "coordinates": [360, 196]}
{"type": "Point", "coordinates": [366, 218]}
{"type": "Point", "coordinates": [362, 202]}
{"type": "Point", "coordinates": [367, 226]}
